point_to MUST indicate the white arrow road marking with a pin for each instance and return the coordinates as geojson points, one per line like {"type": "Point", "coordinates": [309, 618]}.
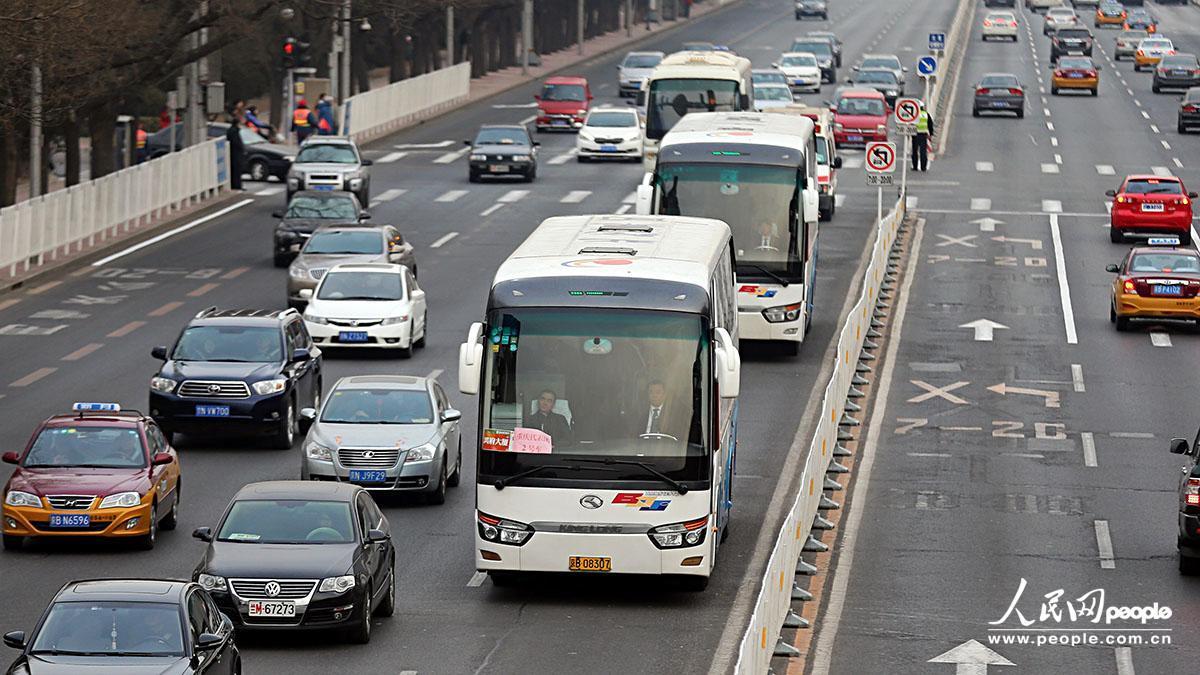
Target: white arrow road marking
{"type": "Point", "coordinates": [1035, 243]}
{"type": "Point", "coordinates": [514, 106]}
{"type": "Point", "coordinates": [575, 196]}
{"type": "Point", "coordinates": [981, 204]}
{"type": "Point", "coordinates": [971, 658]}
{"type": "Point", "coordinates": [932, 391]}
{"type": "Point", "coordinates": [1160, 339]}
{"type": "Point", "coordinates": [984, 328]}
{"type": "Point", "coordinates": [450, 157]}
{"type": "Point", "coordinates": [451, 196]}
{"type": "Point", "coordinates": [1052, 398]}
{"type": "Point", "coordinates": [987, 224]}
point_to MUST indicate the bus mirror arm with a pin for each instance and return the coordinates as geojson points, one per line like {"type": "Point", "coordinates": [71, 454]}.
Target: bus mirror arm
{"type": "Point", "coordinates": [729, 365]}
{"type": "Point", "coordinates": [470, 360]}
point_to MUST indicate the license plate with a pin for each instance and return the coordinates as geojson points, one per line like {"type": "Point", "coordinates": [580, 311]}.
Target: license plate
{"type": "Point", "coordinates": [854, 138]}
{"type": "Point", "coordinates": [1076, 76]}
{"type": "Point", "coordinates": [1166, 290]}
{"type": "Point", "coordinates": [998, 104]}
{"type": "Point", "coordinates": [352, 336]}
{"type": "Point", "coordinates": [212, 411]}
{"type": "Point", "coordinates": [367, 476]}
{"type": "Point", "coordinates": [69, 520]}
{"type": "Point", "coordinates": [498, 168]}
{"type": "Point", "coordinates": [608, 148]}
{"type": "Point", "coordinates": [1153, 208]}
{"type": "Point", "coordinates": [583, 563]}
{"type": "Point", "coordinates": [559, 123]}
{"type": "Point", "coordinates": [320, 187]}
{"type": "Point", "coordinates": [279, 608]}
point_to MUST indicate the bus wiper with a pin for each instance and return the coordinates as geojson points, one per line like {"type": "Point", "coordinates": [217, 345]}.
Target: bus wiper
{"type": "Point", "coordinates": [783, 282]}
{"type": "Point", "coordinates": [679, 487]}
{"type": "Point", "coordinates": [501, 483]}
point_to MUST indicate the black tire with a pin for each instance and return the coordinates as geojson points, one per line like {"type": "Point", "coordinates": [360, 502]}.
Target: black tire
{"type": "Point", "coordinates": [455, 478]}
{"type": "Point", "coordinates": [503, 578]}
{"type": "Point", "coordinates": [1122, 324]}
{"type": "Point", "coordinates": [237, 667]}
{"type": "Point", "coordinates": [171, 521]}
{"type": "Point", "coordinates": [387, 606]}
{"type": "Point", "coordinates": [472, 176]}
{"type": "Point", "coordinates": [407, 352]}
{"type": "Point", "coordinates": [424, 331]}
{"type": "Point", "coordinates": [438, 496]}
{"type": "Point", "coordinates": [693, 584]}
{"type": "Point", "coordinates": [13, 542]}
{"type": "Point", "coordinates": [1181, 128]}
{"type": "Point", "coordinates": [581, 159]}
{"type": "Point", "coordinates": [258, 170]}
{"type": "Point", "coordinates": [1096, 92]}
{"type": "Point", "coordinates": [286, 435]}
{"type": "Point", "coordinates": [148, 540]}
{"type": "Point", "coordinates": [1020, 114]}
{"type": "Point", "coordinates": [1116, 236]}
{"type": "Point", "coordinates": [1156, 89]}
{"type": "Point", "coordinates": [974, 112]}
{"type": "Point", "coordinates": [1188, 565]}
{"type": "Point", "coordinates": [1185, 238]}
{"type": "Point", "coordinates": [1112, 314]}
{"type": "Point", "coordinates": [824, 215]}
{"type": "Point", "coordinates": [282, 260]}
{"type": "Point", "coordinates": [1054, 91]}
{"type": "Point", "coordinates": [530, 175]}
{"type": "Point", "coordinates": [360, 633]}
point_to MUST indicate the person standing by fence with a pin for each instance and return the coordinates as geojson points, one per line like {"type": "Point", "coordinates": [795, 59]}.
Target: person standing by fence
{"type": "Point", "coordinates": [237, 149]}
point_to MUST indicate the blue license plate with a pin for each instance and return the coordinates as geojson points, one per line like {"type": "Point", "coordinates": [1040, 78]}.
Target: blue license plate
{"type": "Point", "coordinates": [367, 476]}
{"type": "Point", "coordinates": [1166, 290]}
{"type": "Point", "coordinates": [559, 123]}
{"type": "Point", "coordinates": [608, 148]}
{"type": "Point", "coordinates": [999, 104]}
{"type": "Point", "coordinates": [320, 187]}
{"type": "Point", "coordinates": [212, 411]}
{"type": "Point", "coordinates": [69, 520]}
{"type": "Point", "coordinates": [853, 139]}
{"type": "Point", "coordinates": [1076, 76]}
{"type": "Point", "coordinates": [352, 336]}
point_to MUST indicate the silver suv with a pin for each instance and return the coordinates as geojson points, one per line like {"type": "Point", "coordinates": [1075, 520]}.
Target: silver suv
{"type": "Point", "coordinates": [330, 163]}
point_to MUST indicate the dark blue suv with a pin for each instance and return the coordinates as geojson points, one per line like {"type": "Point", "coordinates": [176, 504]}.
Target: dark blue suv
{"type": "Point", "coordinates": [237, 370]}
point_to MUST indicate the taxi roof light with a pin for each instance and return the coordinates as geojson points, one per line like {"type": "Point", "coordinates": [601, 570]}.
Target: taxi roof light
{"type": "Point", "coordinates": [96, 407]}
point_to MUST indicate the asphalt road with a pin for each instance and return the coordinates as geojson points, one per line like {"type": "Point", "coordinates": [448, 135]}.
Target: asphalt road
{"type": "Point", "coordinates": [87, 334]}
{"type": "Point", "coordinates": [1041, 455]}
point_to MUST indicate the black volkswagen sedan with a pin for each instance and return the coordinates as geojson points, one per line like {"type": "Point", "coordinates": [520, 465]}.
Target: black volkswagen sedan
{"type": "Point", "coordinates": [308, 210]}
{"type": "Point", "coordinates": [999, 92]}
{"type": "Point", "coordinates": [502, 150]}
{"type": "Point", "coordinates": [297, 555]}
{"type": "Point", "coordinates": [128, 626]}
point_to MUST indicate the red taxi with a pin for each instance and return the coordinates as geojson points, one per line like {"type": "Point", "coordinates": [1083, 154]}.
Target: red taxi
{"type": "Point", "coordinates": [563, 103]}
{"type": "Point", "coordinates": [1159, 282]}
{"type": "Point", "coordinates": [97, 472]}
{"type": "Point", "coordinates": [1151, 204]}
{"type": "Point", "coordinates": [859, 116]}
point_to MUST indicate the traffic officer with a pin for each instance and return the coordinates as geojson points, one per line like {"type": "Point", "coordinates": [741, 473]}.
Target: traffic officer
{"type": "Point", "coordinates": [920, 157]}
{"type": "Point", "coordinates": [303, 121]}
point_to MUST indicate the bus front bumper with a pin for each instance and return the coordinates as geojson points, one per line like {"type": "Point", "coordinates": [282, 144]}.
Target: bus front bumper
{"type": "Point", "coordinates": [752, 325]}
{"type": "Point", "coordinates": [624, 553]}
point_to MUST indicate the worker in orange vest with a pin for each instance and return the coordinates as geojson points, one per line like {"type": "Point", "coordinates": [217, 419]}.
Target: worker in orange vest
{"type": "Point", "coordinates": [140, 152]}
{"type": "Point", "coordinates": [304, 122]}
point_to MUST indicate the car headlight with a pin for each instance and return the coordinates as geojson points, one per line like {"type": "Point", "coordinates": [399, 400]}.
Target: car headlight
{"type": "Point", "coordinates": [783, 313]}
{"type": "Point", "coordinates": [270, 386]}
{"type": "Point", "coordinates": [502, 530]}
{"type": "Point", "coordinates": [288, 158]}
{"type": "Point", "coordinates": [296, 272]}
{"type": "Point", "coordinates": [393, 320]}
{"type": "Point", "coordinates": [18, 498]}
{"type": "Point", "coordinates": [581, 111]}
{"type": "Point", "coordinates": [210, 582]}
{"type": "Point", "coordinates": [881, 129]}
{"type": "Point", "coordinates": [294, 182]}
{"type": "Point", "coordinates": [121, 500]}
{"type": "Point", "coordinates": [679, 535]}
{"type": "Point", "coordinates": [478, 158]}
{"type": "Point", "coordinates": [163, 384]}
{"type": "Point", "coordinates": [313, 318]}
{"type": "Point", "coordinates": [585, 137]}
{"type": "Point", "coordinates": [837, 126]}
{"type": "Point", "coordinates": [337, 584]}
{"type": "Point", "coordinates": [421, 453]}
{"type": "Point", "coordinates": [355, 184]}
{"type": "Point", "coordinates": [521, 158]}
{"type": "Point", "coordinates": [317, 451]}
{"type": "Point", "coordinates": [891, 92]}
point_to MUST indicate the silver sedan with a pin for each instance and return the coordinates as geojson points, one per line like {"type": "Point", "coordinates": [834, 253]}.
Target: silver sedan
{"type": "Point", "coordinates": [331, 246]}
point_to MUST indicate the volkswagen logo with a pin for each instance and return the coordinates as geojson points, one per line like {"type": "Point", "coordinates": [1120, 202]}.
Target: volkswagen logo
{"type": "Point", "coordinates": [370, 454]}
{"type": "Point", "coordinates": [214, 388]}
{"type": "Point", "coordinates": [271, 589]}
{"type": "Point", "coordinates": [591, 502]}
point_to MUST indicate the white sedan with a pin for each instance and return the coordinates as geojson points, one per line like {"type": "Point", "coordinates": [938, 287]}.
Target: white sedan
{"type": "Point", "coordinates": [369, 305]}
{"type": "Point", "coordinates": [768, 96]}
{"type": "Point", "coordinates": [802, 70]}
{"type": "Point", "coordinates": [610, 133]}
{"type": "Point", "coordinates": [1000, 25]}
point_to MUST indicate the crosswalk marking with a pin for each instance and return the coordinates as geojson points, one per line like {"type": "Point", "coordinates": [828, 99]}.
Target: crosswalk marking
{"type": "Point", "coordinates": [1160, 171]}
{"type": "Point", "coordinates": [563, 158]}
{"type": "Point", "coordinates": [910, 202]}
{"type": "Point", "coordinates": [1049, 168]}
{"type": "Point", "coordinates": [450, 157]}
{"type": "Point", "coordinates": [1160, 339]}
{"type": "Point", "coordinates": [513, 196]}
{"type": "Point", "coordinates": [1051, 206]}
{"type": "Point", "coordinates": [575, 196]}
{"type": "Point", "coordinates": [387, 196]}
{"type": "Point", "coordinates": [985, 167]}
{"type": "Point", "coordinates": [268, 191]}
{"type": "Point", "coordinates": [981, 204]}
{"type": "Point", "coordinates": [391, 157]}
{"type": "Point", "coordinates": [1105, 170]}
{"type": "Point", "coordinates": [451, 196]}
{"type": "Point", "coordinates": [838, 200]}
{"type": "Point", "coordinates": [852, 161]}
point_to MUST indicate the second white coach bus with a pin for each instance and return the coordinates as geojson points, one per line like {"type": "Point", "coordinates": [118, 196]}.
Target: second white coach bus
{"type": "Point", "coordinates": [607, 370]}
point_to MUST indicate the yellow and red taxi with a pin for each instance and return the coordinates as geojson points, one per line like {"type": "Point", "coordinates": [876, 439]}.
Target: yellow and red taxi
{"type": "Point", "coordinates": [1151, 50]}
{"type": "Point", "coordinates": [1075, 72]}
{"type": "Point", "coordinates": [1110, 14]}
{"type": "Point", "coordinates": [96, 472]}
{"type": "Point", "coordinates": [1151, 205]}
{"type": "Point", "coordinates": [1160, 282]}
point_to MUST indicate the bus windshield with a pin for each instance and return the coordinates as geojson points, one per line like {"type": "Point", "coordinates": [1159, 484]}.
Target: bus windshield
{"type": "Point", "coordinates": [572, 388]}
{"type": "Point", "coordinates": [759, 203]}
{"type": "Point", "coordinates": [670, 100]}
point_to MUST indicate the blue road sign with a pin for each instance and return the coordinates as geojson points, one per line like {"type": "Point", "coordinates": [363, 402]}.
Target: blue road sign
{"type": "Point", "coordinates": [927, 66]}
{"type": "Point", "coordinates": [937, 41]}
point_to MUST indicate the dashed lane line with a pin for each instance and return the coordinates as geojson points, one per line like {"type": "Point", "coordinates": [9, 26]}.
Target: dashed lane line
{"type": "Point", "coordinates": [1089, 449]}
{"type": "Point", "coordinates": [451, 157]}
{"type": "Point", "coordinates": [1160, 339]}
{"type": "Point", "coordinates": [490, 210]}
{"type": "Point", "coordinates": [575, 196]}
{"type": "Point", "coordinates": [451, 196]}
{"type": "Point", "coordinates": [1058, 159]}
{"type": "Point", "coordinates": [83, 351]}
{"type": "Point", "coordinates": [1105, 170]}
{"type": "Point", "coordinates": [513, 196]}
{"type": "Point", "coordinates": [623, 209]}
{"type": "Point", "coordinates": [269, 191]}
{"type": "Point", "coordinates": [1077, 378]}
{"type": "Point", "coordinates": [1124, 657]}
{"type": "Point", "coordinates": [32, 377]}
{"type": "Point", "coordinates": [443, 240]}
{"type": "Point", "coordinates": [202, 290]}
{"type": "Point", "coordinates": [1154, 128]}
{"type": "Point", "coordinates": [564, 157]}
{"type": "Point", "coordinates": [1166, 145]}
{"type": "Point", "coordinates": [1049, 168]}
{"type": "Point", "coordinates": [126, 329]}
{"type": "Point", "coordinates": [167, 308]}
{"type": "Point", "coordinates": [477, 580]}
{"type": "Point", "coordinates": [391, 157]}
{"type": "Point", "coordinates": [981, 204]}
{"type": "Point", "coordinates": [387, 196]}
{"type": "Point", "coordinates": [1104, 546]}
{"type": "Point", "coordinates": [985, 167]}
{"type": "Point", "coordinates": [1178, 164]}
{"type": "Point", "coordinates": [1054, 141]}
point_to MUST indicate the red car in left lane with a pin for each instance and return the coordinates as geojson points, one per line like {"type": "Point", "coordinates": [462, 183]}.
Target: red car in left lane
{"type": "Point", "coordinates": [1151, 204]}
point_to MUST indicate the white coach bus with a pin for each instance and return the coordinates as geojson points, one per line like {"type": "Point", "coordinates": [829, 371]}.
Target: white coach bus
{"type": "Point", "coordinates": [607, 369]}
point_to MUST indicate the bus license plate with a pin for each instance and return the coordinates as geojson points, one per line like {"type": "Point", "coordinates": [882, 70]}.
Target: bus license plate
{"type": "Point", "coordinates": [352, 336]}
{"type": "Point", "coordinates": [212, 411]}
{"type": "Point", "coordinates": [278, 608]}
{"type": "Point", "coordinates": [68, 520]}
{"type": "Point", "coordinates": [583, 563]}
{"type": "Point", "coordinates": [1152, 207]}
{"type": "Point", "coordinates": [367, 476]}
{"type": "Point", "coordinates": [1166, 290]}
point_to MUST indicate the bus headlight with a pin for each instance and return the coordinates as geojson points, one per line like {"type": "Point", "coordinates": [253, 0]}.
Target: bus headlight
{"type": "Point", "coordinates": [503, 531]}
{"type": "Point", "coordinates": [783, 313]}
{"type": "Point", "coordinates": [679, 535]}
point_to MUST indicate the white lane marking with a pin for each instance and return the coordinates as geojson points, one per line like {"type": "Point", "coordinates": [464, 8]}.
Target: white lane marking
{"type": "Point", "coordinates": [1154, 128]}
{"type": "Point", "coordinates": [839, 199]}
{"type": "Point", "coordinates": [623, 209]}
{"type": "Point", "coordinates": [171, 233]}
{"type": "Point", "coordinates": [391, 157]}
{"type": "Point", "coordinates": [852, 161]}
{"type": "Point", "coordinates": [1178, 163]}
{"type": "Point", "coordinates": [928, 454]}
{"type": "Point", "coordinates": [981, 204]}
{"type": "Point", "coordinates": [1057, 158]}
{"type": "Point", "coordinates": [986, 167]}
{"type": "Point", "coordinates": [1051, 206]}
{"type": "Point", "coordinates": [433, 374]}
{"type": "Point", "coordinates": [451, 196]}
{"type": "Point", "coordinates": [1137, 103]}
{"type": "Point", "coordinates": [1131, 434]}
{"type": "Point", "coordinates": [490, 210]}
{"type": "Point", "coordinates": [1104, 546]}
{"type": "Point", "coordinates": [477, 580]}
{"type": "Point", "coordinates": [1166, 145]}
{"type": "Point", "coordinates": [575, 196]}
{"type": "Point", "coordinates": [1160, 171]}
{"type": "Point", "coordinates": [1024, 455]}
{"type": "Point", "coordinates": [564, 158]}
{"type": "Point", "coordinates": [268, 191]}
{"type": "Point", "coordinates": [630, 198]}
{"type": "Point", "coordinates": [387, 196]}
{"type": "Point", "coordinates": [910, 202]}
{"type": "Point", "coordinates": [1050, 126]}
{"type": "Point", "coordinates": [443, 240]}
{"type": "Point", "coordinates": [516, 106]}
{"type": "Point", "coordinates": [527, 120]}
{"type": "Point", "coordinates": [1145, 114]}
{"type": "Point", "coordinates": [1046, 112]}
{"type": "Point", "coordinates": [513, 196]}
{"type": "Point", "coordinates": [1054, 141]}
{"type": "Point", "coordinates": [1105, 170]}
{"type": "Point", "coordinates": [1089, 448]}
{"type": "Point", "coordinates": [1042, 88]}
{"type": "Point", "coordinates": [450, 157]}
{"type": "Point", "coordinates": [1049, 168]}
{"type": "Point", "coordinates": [1124, 656]}
{"type": "Point", "coordinates": [423, 146]}
{"type": "Point", "coordinates": [1077, 378]}
{"type": "Point", "coordinates": [1064, 288]}
{"type": "Point", "coordinates": [1160, 339]}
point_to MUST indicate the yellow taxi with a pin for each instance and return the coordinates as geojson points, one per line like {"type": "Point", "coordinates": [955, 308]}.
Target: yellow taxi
{"type": "Point", "coordinates": [95, 472]}
{"type": "Point", "coordinates": [1075, 72]}
{"type": "Point", "coordinates": [1110, 15]}
{"type": "Point", "coordinates": [1158, 282]}
{"type": "Point", "coordinates": [1150, 51]}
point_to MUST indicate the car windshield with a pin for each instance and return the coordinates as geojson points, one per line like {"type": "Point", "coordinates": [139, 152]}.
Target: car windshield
{"type": "Point", "coordinates": [641, 60]}
{"type": "Point", "coordinates": [857, 105]}
{"type": "Point", "coordinates": [110, 629]}
{"type": "Point", "coordinates": [377, 406]}
{"type": "Point", "coordinates": [1061, 13]}
{"type": "Point", "coordinates": [237, 344]}
{"type": "Point", "coordinates": [1192, 95]}
{"type": "Point", "coordinates": [769, 77]}
{"type": "Point", "coordinates": [345, 242]}
{"type": "Point", "coordinates": [287, 521]}
{"type": "Point", "coordinates": [698, 47]}
{"type": "Point", "coordinates": [875, 77]}
{"type": "Point", "coordinates": [879, 62]}
{"type": "Point", "coordinates": [1074, 33]}
{"type": "Point", "coordinates": [1164, 262]}
{"type": "Point", "coordinates": [1074, 63]}
{"type": "Point", "coordinates": [1155, 44]}
{"type": "Point", "coordinates": [361, 286]}
{"type": "Point", "coordinates": [1001, 16]}
{"type": "Point", "coordinates": [1151, 186]}
{"type": "Point", "coordinates": [501, 137]}
{"type": "Point", "coordinates": [819, 47]}
{"type": "Point", "coordinates": [772, 93]}
{"type": "Point", "coordinates": [332, 154]}
{"type": "Point", "coordinates": [1179, 61]}
{"type": "Point", "coordinates": [323, 208]}
{"type": "Point", "coordinates": [999, 81]}
{"type": "Point", "coordinates": [799, 60]}
{"type": "Point", "coordinates": [87, 446]}
{"type": "Point", "coordinates": [563, 92]}
{"type": "Point", "coordinates": [612, 119]}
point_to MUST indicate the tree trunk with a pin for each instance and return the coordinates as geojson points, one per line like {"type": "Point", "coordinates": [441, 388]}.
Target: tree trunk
{"type": "Point", "coordinates": [9, 142]}
{"type": "Point", "coordinates": [71, 140]}
{"type": "Point", "coordinates": [102, 123]}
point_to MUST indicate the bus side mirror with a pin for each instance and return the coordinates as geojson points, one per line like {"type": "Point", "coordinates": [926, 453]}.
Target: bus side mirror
{"type": "Point", "coordinates": [470, 360]}
{"type": "Point", "coordinates": [641, 98]}
{"type": "Point", "coordinates": [645, 200]}
{"type": "Point", "coordinates": [729, 365]}
{"type": "Point", "coordinates": [811, 206]}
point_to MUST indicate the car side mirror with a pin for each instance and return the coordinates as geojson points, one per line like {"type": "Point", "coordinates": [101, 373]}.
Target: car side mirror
{"type": "Point", "coordinates": [744, 101]}
{"type": "Point", "coordinates": [159, 353]}
{"type": "Point", "coordinates": [1110, 193]}
{"type": "Point", "coordinates": [301, 354]}
{"type": "Point", "coordinates": [590, 97]}
{"type": "Point", "coordinates": [277, 214]}
{"type": "Point", "coordinates": [1098, 68]}
{"type": "Point", "coordinates": [208, 641]}
{"type": "Point", "coordinates": [11, 457]}
{"type": "Point", "coordinates": [729, 365]}
{"type": "Point", "coordinates": [377, 536]}
{"type": "Point", "coordinates": [451, 415]}
{"type": "Point", "coordinates": [854, 68]}
{"type": "Point", "coordinates": [1112, 268]}
{"type": "Point", "coordinates": [307, 417]}
{"type": "Point", "coordinates": [537, 143]}
{"type": "Point", "coordinates": [161, 458]}
{"type": "Point", "coordinates": [202, 533]}
{"type": "Point", "coordinates": [365, 215]}
{"type": "Point", "coordinates": [537, 97]}
{"type": "Point", "coordinates": [15, 639]}
{"type": "Point", "coordinates": [367, 162]}
{"type": "Point", "coordinates": [1192, 195]}
{"type": "Point", "coordinates": [466, 142]}
{"type": "Point", "coordinates": [774, 65]}
{"type": "Point", "coordinates": [306, 293]}
{"type": "Point", "coordinates": [837, 162]}
{"type": "Point", "coordinates": [904, 69]}
{"type": "Point", "coordinates": [1179, 446]}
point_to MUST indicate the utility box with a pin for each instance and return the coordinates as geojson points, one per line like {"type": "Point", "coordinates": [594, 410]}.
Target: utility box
{"type": "Point", "coordinates": [214, 98]}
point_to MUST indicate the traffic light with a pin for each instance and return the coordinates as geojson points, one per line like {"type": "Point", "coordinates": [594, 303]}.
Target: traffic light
{"type": "Point", "coordinates": [295, 52]}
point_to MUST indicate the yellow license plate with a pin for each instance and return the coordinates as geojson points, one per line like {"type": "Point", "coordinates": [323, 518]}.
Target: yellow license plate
{"type": "Point", "coordinates": [582, 563]}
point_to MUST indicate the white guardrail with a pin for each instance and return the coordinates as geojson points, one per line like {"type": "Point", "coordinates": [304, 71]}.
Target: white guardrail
{"type": "Point", "coordinates": [64, 221]}
{"type": "Point", "coordinates": [378, 112]}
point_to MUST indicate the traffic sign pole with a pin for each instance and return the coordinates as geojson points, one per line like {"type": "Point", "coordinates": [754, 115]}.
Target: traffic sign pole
{"type": "Point", "coordinates": [904, 168]}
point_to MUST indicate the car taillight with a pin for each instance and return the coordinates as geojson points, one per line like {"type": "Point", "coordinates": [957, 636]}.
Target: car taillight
{"type": "Point", "coordinates": [1189, 108]}
{"type": "Point", "coordinates": [1121, 199]}
{"type": "Point", "coordinates": [1191, 492]}
{"type": "Point", "coordinates": [1141, 53]}
{"type": "Point", "coordinates": [1060, 73]}
{"type": "Point", "coordinates": [1091, 73]}
{"type": "Point", "coordinates": [987, 24]}
{"type": "Point", "coordinates": [1130, 288]}
{"type": "Point", "coordinates": [981, 91]}
{"type": "Point", "coordinates": [1015, 92]}
{"type": "Point", "coordinates": [1012, 24]}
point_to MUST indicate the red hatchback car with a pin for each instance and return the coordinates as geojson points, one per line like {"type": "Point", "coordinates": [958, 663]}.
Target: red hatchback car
{"type": "Point", "coordinates": [563, 103]}
{"type": "Point", "coordinates": [1150, 204]}
{"type": "Point", "coordinates": [859, 116]}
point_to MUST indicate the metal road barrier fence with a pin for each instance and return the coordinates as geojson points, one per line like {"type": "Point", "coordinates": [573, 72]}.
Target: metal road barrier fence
{"type": "Point", "coordinates": [63, 222]}
{"type": "Point", "coordinates": [378, 112]}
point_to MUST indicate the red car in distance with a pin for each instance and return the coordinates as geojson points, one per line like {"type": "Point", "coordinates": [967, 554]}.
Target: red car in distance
{"type": "Point", "coordinates": [1151, 204]}
{"type": "Point", "coordinates": [859, 116]}
{"type": "Point", "coordinates": [563, 103]}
